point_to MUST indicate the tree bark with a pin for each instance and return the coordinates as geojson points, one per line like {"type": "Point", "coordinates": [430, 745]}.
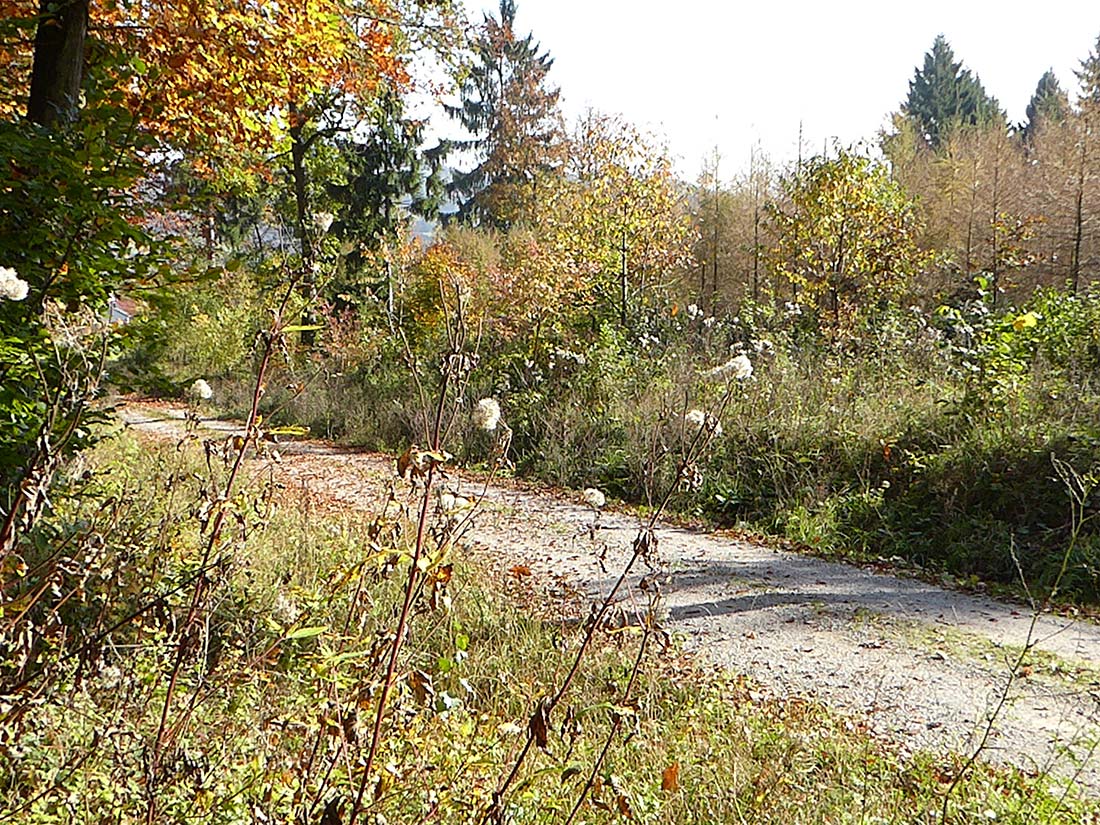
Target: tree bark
{"type": "Point", "coordinates": [58, 69]}
{"type": "Point", "coordinates": [1078, 211]}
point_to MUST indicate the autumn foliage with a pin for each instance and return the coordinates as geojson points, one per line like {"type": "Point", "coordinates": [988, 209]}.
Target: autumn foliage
{"type": "Point", "coordinates": [214, 73]}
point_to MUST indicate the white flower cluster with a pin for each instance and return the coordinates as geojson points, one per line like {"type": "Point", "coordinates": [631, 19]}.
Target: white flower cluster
{"type": "Point", "coordinates": [695, 313]}
{"type": "Point", "coordinates": [486, 414]}
{"type": "Point", "coordinates": [594, 498]}
{"type": "Point", "coordinates": [792, 309]}
{"type": "Point", "coordinates": [739, 368]}
{"type": "Point", "coordinates": [699, 419]}
{"type": "Point", "coordinates": [566, 355]}
{"type": "Point", "coordinates": [12, 286]}
{"type": "Point", "coordinates": [200, 390]}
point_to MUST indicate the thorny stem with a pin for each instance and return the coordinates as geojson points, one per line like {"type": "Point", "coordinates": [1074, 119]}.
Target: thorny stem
{"type": "Point", "coordinates": [395, 649]}
{"type": "Point", "coordinates": [616, 722]}
{"type": "Point", "coordinates": [322, 787]}
{"type": "Point", "coordinates": [456, 341]}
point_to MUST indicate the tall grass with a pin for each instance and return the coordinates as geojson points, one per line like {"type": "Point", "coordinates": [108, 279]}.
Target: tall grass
{"type": "Point", "coordinates": [288, 670]}
{"type": "Point", "coordinates": [921, 437]}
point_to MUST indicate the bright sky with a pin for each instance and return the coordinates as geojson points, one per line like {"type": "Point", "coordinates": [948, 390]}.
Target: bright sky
{"type": "Point", "coordinates": [707, 73]}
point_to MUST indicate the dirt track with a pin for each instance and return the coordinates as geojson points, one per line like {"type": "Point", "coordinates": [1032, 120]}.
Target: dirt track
{"type": "Point", "coordinates": [923, 665]}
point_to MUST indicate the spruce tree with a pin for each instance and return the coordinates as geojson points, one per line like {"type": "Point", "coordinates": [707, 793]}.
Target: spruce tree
{"type": "Point", "coordinates": [511, 113]}
{"type": "Point", "coordinates": [1049, 104]}
{"type": "Point", "coordinates": [943, 95]}
{"type": "Point", "coordinates": [1089, 77]}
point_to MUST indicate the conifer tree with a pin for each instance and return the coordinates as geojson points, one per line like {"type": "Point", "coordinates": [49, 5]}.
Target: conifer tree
{"type": "Point", "coordinates": [943, 95]}
{"type": "Point", "coordinates": [1049, 105]}
{"type": "Point", "coordinates": [1089, 77]}
{"type": "Point", "coordinates": [511, 113]}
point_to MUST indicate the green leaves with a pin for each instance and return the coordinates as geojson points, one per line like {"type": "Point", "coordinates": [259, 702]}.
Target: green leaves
{"type": "Point", "coordinates": [847, 233]}
{"type": "Point", "coordinates": [306, 632]}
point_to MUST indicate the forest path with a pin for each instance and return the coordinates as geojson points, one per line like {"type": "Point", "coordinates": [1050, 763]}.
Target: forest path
{"type": "Point", "coordinates": [918, 664]}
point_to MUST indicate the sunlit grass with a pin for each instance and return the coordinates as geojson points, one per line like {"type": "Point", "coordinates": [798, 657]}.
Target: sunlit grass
{"type": "Point", "coordinates": [276, 704]}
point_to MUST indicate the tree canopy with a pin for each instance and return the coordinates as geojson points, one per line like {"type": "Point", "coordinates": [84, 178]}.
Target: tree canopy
{"type": "Point", "coordinates": [847, 233]}
{"type": "Point", "coordinates": [944, 95]}
{"type": "Point", "coordinates": [1048, 104]}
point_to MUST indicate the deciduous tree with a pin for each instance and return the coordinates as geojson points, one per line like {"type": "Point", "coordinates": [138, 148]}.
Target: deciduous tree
{"type": "Point", "coordinates": [847, 233]}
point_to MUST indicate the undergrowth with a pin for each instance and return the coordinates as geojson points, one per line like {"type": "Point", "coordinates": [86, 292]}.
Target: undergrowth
{"type": "Point", "coordinates": [269, 722]}
{"type": "Point", "coordinates": [922, 438]}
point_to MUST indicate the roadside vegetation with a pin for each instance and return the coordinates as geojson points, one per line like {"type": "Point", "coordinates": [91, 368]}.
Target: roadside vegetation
{"type": "Point", "coordinates": [885, 353]}
{"type": "Point", "coordinates": [277, 692]}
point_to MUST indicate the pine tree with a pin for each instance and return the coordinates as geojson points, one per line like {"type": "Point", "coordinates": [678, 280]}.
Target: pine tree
{"type": "Point", "coordinates": [389, 176]}
{"type": "Point", "coordinates": [512, 114]}
{"type": "Point", "coordinates": [1049, 104]}
{"type": "Point", "coordinates": [943, 95]}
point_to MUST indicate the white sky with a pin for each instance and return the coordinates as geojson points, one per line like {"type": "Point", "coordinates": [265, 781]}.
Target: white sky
{"type": "Point", "coordinates": [730, 74]}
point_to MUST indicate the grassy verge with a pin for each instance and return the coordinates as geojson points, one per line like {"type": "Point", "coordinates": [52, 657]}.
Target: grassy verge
{"type": "Point", "coordinates": [278, 687]}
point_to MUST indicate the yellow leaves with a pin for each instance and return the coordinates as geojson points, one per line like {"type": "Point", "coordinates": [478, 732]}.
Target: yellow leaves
{"type": "Point", "coordinates": [1025, 321]}
{"type": "Point", "coordinates": [417, 462]}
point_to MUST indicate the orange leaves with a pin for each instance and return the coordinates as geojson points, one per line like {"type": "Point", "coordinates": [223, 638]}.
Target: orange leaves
{"type": "Point", "coordinates": [670, 778]}
{"type": "Point", "coordinates": [220, 72]}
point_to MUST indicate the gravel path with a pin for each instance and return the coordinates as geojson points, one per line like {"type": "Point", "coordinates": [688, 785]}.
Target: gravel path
{"type": "Point", "coordinates": [922, 665]}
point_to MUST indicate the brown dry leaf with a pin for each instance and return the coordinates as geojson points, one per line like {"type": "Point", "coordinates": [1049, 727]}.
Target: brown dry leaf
{"type": "Point", "coordinates": [405, 461]}
{"type": "Point", "coordinates": [670, 778]}
{"type": "Point", "coordinates": [596, 796]}
{"type": "Point", "coordinates": [519, 570]}
{"type": "Point", "coordinates": [624, 806]}
{"type": "Point", "coordinates": [421, 684]}
{"type": "Point", "coordinates": [539, 725]}
{"type": "Point", "coordinates": [439, 579]}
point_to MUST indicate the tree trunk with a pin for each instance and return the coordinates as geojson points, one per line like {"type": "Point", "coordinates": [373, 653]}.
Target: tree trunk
{"type": "Point", "coordinates": [622, 284]}
{"type": "Point", "coordinates": [301, 193]}
{"type": "Point", "coordinates": [298, 149]}
{"type": "Point", "coordinates": [1078, 213]}
{"type": "Point", "coordinates": [995, 263]}
{"type": "Point", "coordinates": [58, 61]}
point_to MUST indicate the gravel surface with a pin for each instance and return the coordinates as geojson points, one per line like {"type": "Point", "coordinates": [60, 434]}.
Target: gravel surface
{"type": "Point", "coordinates": [923, 665]}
